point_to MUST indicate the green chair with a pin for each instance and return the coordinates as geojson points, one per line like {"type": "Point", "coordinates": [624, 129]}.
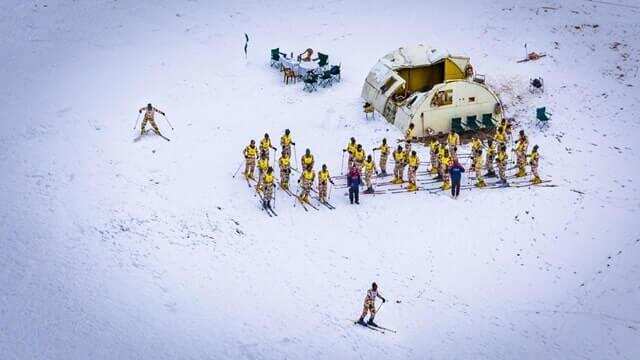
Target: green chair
{"type": "Point", "coordinates": [456, 125]}
{"type": "Point", "coordinates": [472, 123]}
{"type": "Point", "coordinates": [543, 116]}
{"type": "Point", "coordinates": [323, 59]}
{"type": "Point", "coordinates": [487, 121]}
{"type": "Point", "coordinates": [275, 57]}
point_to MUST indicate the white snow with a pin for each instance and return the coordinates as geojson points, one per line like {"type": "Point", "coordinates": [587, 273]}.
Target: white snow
{"type": "Point", "coordinates": [151, 250]}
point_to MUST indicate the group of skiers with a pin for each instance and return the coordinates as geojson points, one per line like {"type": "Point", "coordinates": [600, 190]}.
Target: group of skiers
{"type": "Point", "coordinates": [266, 181]}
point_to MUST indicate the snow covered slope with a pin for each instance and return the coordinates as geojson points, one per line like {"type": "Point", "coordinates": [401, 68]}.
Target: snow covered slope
{"type": "Point", "coordinates": [150, 250]}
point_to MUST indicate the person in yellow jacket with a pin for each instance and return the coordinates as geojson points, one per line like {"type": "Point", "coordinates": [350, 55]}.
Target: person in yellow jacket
{"type": "Point", "coordinates": [534, 159]}
{"type": "Point", "coordinates": [250, 153]}
{"type": "Point", "coordinates": [323, 179]}
{"type": "Point", "coordinates": [358, 157]}
{"type": "Point", "coordinates": [384, 155]}
{"type": "Point", "coordinates": [502, 159]}
{"type": "Point", "coordinates": [413, 161]}
{"type": "Point", "coordinates": [522, 145]}
{"type": "Point", "coordinates": [306, 183]}
{"type": "Point", "coordinates": [409, 137]}
{"type": "Point", "coordinates": [445, 162]}
{"type": "Point", "coordinates": [476, 144]}
{"type": "Point", "coordinates": [149, 112]}
{"type": "Point", "coordinates": [453, 141]}
{"type": "Point", "coordinates": [268, 184]}
{"type": "Point", "coordinates": [500, 136]}
{"type": "Point", "coordinates": [490, 158]}
{"type": "Point", "coordinates": [263, 165]}
{"type": "Point", "coordinates": [285, 170]}
{"type": "Point", "coordinates": [440, 156]}
{"type": "Point", "coordinates": [434, 147]}
{"type": "Point", "coordinates": [398, 169]}
{"type": "Point", "coordinates": [286, 141]}
{"type": "Point", "coordinates": [307, 160]}
{"type": "Point", "coordinates": [351, 149]}
{"type": "Point", "coordinates": [477, 167]}
{"type": "Point", "coordinates": [265, 146]}
{"type": "Point", "coordinates": [369, 168]}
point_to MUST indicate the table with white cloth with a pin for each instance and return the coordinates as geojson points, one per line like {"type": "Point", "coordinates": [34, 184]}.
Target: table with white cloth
{"type": "Point", "coordinates": [300, 68]}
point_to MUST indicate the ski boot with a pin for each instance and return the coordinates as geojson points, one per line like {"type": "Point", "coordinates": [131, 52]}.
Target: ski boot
{"type": "Point", "coordinates": [361, 322]}
{"type": "Point", "coordinates": [412, 187]}
{"type": "Point", "coordinates": [521, 172]}
{"type": "Point", "coordinates": [446, 185]}
{"type": "Point", "coordinates": [371, 323]}
{"type": "Point", "coordinates": [481, 184]}
{"type": "Point", "coordinates": [536, 180]}
{"type": "Point", "coordinates": [490, 174]}
{"type": "Point", "coordinates": [397, 181]}
{"type": "Point", "coordinates": [368, 191]}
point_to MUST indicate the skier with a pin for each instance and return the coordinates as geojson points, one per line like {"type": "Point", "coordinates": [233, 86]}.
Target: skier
{"type": "Point", "coordinates": [476, 144]}
{"type": "Point", "coordinates": [413, 162]}
{"type": "Point", "coordinates": [250, 153]}
{"type": "Point", "coordinates": [491, 155]}
{"type": "Point", "coordinates": [307, 160]}
{"type": "Point", "coordinates": [439, 156]}
{"type": "Point", "coordinates": [456, 171]}
{"type": "Point", "coordinates": [434, 147]}
{"type": "Point", "coordinates": [265, 145]}
{"type": "Point", "coordinates": [268, 185]}
{"type": "Point", "coordinates": [369, 169]}
{"type": "Point", "coordinates": [398, 169]}
{"type": "Point", "coordinates": [353, 182]}
{"type": "Point", "coordinates": [323, 178]}
{"type": "Point", "coordinates": [285, 170]}
{"type": "Point", "coordinates": [534, 159]}
{"type": "Point", "coordinates": [409, 137]}
{"type": "Point", "coordinates": [286, 142]}
{"type": "Point", "coordinates": [453, 140]}
{"type": "Point", "coordinates": [384, 155]}
{"type": "Point", "coordinates": [500, 136]}
{"type": "Point", "coordinates": [351, 149]}
{"type": "Point", "coordinates": [263, 165]}
{"type": "Point", "coordinates": [445, 162]}
{"type": "Point", "coordinates": [521, 154]}
{"type": "Point", "coordinates": [306, 181]}
{"type": "Point", "coordinates": [501, 159]}
{"type": "Point", "coordinates": [358, 157]}
{"type": "Point", "coordinates": [370, 305]}
{"type": "Point", "coordinates": [477, 167]}
{"type": "Point", "coordinates": [149, 112]}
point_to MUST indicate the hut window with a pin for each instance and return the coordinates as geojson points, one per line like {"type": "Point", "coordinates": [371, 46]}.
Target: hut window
{"type": "Point", "coordinates": [388, 84]}
{"type": "Point", "coordinates": [472, 99]}
{"type": "Point", "coordinates": [442, 98]}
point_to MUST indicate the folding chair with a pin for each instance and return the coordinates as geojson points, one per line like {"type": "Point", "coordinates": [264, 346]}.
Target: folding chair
{"type": "Point", "coordinates": [472, 123]}
{"type": "Point", "coordinates": [275, 58]}
{"type": "Point", "coordinates": [310, 83]}
{"type": "Point", "coordinates": [323, 59]}
{"type": "Point", "coordinates": [543, 116]}
{"type": "Point", "coordinates": [326, 78]}
{"type": "Point", "coordinates": [335, 72]}
{"type": "Point", "coordinates": [456, 125]}
{"type": "Point", "coordinates": [487, 121]}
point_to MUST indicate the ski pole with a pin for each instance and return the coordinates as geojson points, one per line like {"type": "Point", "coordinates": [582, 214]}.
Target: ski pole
{"type": "Point", "coordinates": [138, 118]}
{"type": "Point", "coordinates": [165, 117]}
{"type": "Point", "coordinates": [238, 169]}
{"type": "Point", "coordinates": [342, 165]}
{"type": "Point", "coordinates": [330, 189]}
{"type": "Point", "coordinates": [275, 190]}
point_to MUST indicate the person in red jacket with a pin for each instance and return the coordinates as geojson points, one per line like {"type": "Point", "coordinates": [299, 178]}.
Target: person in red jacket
{"type": "Point", "coordinates": [353, 182]}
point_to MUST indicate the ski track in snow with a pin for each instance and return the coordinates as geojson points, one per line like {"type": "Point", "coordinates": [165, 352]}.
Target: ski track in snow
{"type": "Point", "coordinates": [151, 250]}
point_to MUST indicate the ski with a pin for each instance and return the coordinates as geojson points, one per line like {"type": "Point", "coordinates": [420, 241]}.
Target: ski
{"type": "Point", "coordinates": [310, 204]}
{"type": "Point", "coordinates": [369, 327]}
{"type": "Point", "coordinates": [325, 203]}
{"type": "Point", "coordinates": [384, 328]}
{"type": "Point", "coordinates": [301, 202]}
